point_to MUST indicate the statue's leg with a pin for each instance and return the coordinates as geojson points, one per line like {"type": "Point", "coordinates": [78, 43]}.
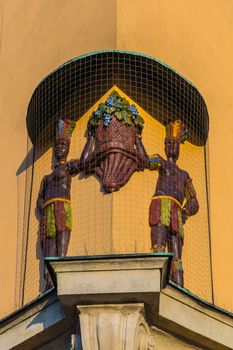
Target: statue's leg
{"type": "Point", "coordinates": [177, 273]}
{"type": "Point", "coordinates": [63, 239]}
{"type": "Point", "coordinates": [159, 238]}
{"type": "Point", "coordinates": [50, 249]}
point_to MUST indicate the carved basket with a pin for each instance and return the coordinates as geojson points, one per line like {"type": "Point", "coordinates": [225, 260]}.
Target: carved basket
{"type": "Point", "coordinates": [115, 156]}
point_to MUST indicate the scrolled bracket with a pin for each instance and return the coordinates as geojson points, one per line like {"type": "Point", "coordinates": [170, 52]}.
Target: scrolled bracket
{"type": "Point", "coordinates": [116, 327]}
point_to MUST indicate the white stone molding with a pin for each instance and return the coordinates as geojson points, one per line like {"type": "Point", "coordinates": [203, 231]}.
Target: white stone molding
{"type": "Point", "coordinates": [115, 327]}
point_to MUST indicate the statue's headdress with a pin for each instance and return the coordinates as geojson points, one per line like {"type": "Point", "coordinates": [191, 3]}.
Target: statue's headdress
{"type": "Point", "coordinates": [176, 130]}
{"type": "Point", "coordinates": [64, 129]}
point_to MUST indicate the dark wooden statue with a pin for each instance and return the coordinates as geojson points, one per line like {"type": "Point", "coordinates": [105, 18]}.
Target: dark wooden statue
{"type": "Point", "coordinates": [167, 213]}
{"type": "Point", "coordinates": [114, 150]}
{"type": "Point", "coordinates": [54, 201]}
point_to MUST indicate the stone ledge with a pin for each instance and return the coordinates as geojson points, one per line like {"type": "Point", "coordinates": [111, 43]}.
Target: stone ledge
{"type": "Point", "coordinates": [116, 279]}
{"type": "Point", "coordinates": [42, 301]}
{"type": "Point", "coordinates": [189, 319]}
{"type": "Point", "coordinates": [26, 329]}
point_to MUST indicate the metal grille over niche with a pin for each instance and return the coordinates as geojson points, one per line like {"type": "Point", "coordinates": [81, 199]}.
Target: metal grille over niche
{"type": "Point", "coordinates": [111, 89]}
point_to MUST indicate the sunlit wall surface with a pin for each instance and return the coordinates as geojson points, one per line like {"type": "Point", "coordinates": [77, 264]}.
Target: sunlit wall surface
{"type": "Point", "coordinates": [115, 223]}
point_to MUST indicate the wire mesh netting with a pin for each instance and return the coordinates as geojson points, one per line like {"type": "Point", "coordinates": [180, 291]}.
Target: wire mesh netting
{"type": "Point", "coordinates": [114, 222]}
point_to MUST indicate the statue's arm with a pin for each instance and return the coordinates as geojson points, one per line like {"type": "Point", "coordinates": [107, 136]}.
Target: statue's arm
{"type": "Point", "coordinates": [86, 153]}
{"type": "Point", "coordinates": [191, 206]}
{"type": "Point", "coordinates": [89, 146]}
{"type": "Point", "coordinates": [155, 161]}
{"type": "Point", "coordinates": [142, 153]}
{"type": "Point", "coordinates": [74, 167]}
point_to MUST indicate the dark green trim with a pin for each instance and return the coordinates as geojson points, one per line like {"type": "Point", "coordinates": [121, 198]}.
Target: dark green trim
{"type": "Point", "coordinates": [117, 51]}
{"type": "Point", "coordinates": [200, 300]}
{"type": "Point", "coordinates": [106, 257]}
{"type": "Point", "coordinates": [41, 297]}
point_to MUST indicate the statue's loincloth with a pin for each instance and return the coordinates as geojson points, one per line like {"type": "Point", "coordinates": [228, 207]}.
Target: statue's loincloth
{"type": "Point", "coordinates": [166, 210]}
{"type": "Point", "coordinates": [56, 217]}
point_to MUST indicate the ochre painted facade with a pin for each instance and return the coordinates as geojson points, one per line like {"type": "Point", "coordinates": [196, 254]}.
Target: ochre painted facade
{"type": "Point", "coordinates": [36, 37]}
{"type": "Point", "coordinates": [192, 37]}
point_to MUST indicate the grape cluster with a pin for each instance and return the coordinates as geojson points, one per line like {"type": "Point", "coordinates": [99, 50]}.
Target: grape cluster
{"type": "Point", "coordinates": [107, 119]}
{"type": "Point", "coordinates": [110, 102]}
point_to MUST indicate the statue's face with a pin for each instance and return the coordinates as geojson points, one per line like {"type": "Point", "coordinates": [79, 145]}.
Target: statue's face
{"type": "Point", "coordinates": [61, 149]}
{"type": "Point", "coordinates": [172, 148]}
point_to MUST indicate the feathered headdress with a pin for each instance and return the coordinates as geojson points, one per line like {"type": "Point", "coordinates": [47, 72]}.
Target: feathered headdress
{"type": "Point", "coordinates": [176, 130]}
{"type": "Point", "coordinates": [64, 129]}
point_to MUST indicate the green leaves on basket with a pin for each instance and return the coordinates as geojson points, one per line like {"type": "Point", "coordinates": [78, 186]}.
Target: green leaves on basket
{"type": "Point", "coordinates": [117, 106]}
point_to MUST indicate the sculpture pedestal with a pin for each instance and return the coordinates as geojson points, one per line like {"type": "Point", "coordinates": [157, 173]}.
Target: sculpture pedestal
{"type": "Point", "coordinates": [115, 296]}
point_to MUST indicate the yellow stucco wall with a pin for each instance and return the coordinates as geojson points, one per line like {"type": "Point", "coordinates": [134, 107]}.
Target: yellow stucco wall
{"type": "Point", "coordinates": [194, 37]}
{"type": "Point", "coordinates": [36, 37]}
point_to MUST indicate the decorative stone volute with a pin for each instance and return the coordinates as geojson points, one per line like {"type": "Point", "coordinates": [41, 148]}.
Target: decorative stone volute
{"type": "Point", "coordinates": [115, 327]}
